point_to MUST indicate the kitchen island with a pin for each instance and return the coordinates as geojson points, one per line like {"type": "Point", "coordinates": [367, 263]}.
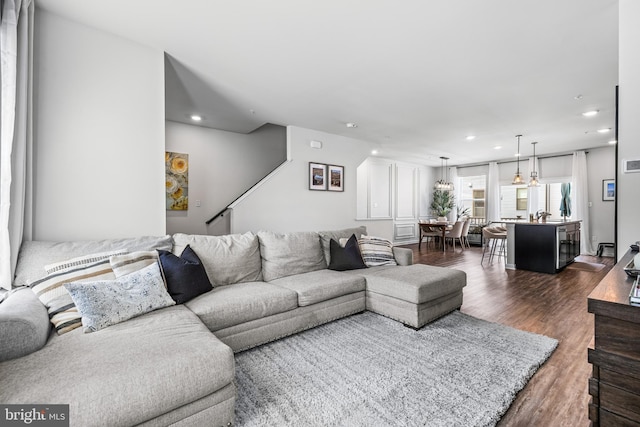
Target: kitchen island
{"type": "Point", "coordinates": [545, 247]}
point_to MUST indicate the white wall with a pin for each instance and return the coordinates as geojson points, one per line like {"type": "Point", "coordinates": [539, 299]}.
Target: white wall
{"type": "Point", "coordinates": [628, 185]}
{"type": "Point", "coordinates": [222, 166]}
{"type": "Point", "coordinates": [284, 203]}
{"type": "Point", "coordinates": [98, 134]}
{"type": "Point", "coordinates": [601, 163]}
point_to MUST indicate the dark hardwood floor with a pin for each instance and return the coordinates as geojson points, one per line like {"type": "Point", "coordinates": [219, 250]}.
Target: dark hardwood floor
{"type": "Point", "coordinates": [554, 305]}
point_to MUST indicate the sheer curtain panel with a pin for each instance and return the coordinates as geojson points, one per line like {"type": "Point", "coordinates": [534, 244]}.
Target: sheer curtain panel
{"type": "Point", "coordinates": [493, 193]}
{"type": "Point", "coordinates": [580, 199]}
{"type": "Point", "coordinates": [16, 51]}
{"type": "Point", "coordinates": [533, 193]}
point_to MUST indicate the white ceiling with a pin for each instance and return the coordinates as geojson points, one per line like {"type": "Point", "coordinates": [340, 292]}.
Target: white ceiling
{"type": "Point", "coordinates": [417, 76]}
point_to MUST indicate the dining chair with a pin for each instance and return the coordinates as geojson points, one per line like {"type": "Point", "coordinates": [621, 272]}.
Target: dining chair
{"type": "Point", "coordinates": [465, 232]}
{"type": "Point", "coordinates": [428, 232]}
{"type": "Point", "coordinates": [455, 233]}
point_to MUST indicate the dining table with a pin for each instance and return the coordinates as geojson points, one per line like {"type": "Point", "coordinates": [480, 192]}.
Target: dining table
{"type": "Point", "coordinates": [429, 226]}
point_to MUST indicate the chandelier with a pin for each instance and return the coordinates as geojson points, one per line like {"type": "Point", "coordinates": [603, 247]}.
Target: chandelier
{"type": "Point", "coordinates": [533, 182]}
{"type": "Point", "coordinates": [517, 178]}
{"type": "Point", "coordinates": [443, 183]}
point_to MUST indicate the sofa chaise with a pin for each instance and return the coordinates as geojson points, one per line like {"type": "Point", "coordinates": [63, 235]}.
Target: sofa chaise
{"type": "Point", "coordinates": [175, 365]}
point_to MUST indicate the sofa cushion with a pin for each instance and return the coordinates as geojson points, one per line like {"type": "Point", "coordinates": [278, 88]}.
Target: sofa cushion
{"type": "Point", "coordinates": [326, 236]}
{"type": "Point", "coordinates": [321, 285]}
{"type": "Point", "coordinates": [185, 275]}
{"type": "Point", "coordinates": [34, 255]}
{"type": "Point", "coordinates": [51, 291]}
{"type": "Point", "coordinates": [108, 302]}
{"type": "Point", "coordinates": [229, 259]}
{"type": "Point", "coordinates": [376, 251]}
{"type": "Point", "coordinates": [24, 324]}
{"type": "Point", "coordinates": [227, 306]}
{"type": "Point", "coordinates": [347, 257]}
{"type": "Point", "coordinates": [290, 253]}
{"type": "Point", "coordinates": [417, 283]}
{"type": "Point", "coordinates": [125, 374]}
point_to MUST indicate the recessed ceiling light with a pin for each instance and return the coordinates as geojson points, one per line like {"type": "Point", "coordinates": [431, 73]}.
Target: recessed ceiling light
{"type": "Point", "coordinates": [196, 118]}
{"type": "Point", "coordinates": [374, 152]}
{"type": "Point", "coordinates": [471, 137]}
{"type": "Point", "coordinates": [590, 113]}
{"type": "Point", "coordinates": [613, 141]}
{"type": "Point", "coordinates": [497, 147]}
{"type": "Point", "coordinates": [352, 125]}
{"type": "Point", "coordinates": [605, 130]}
{"type": "Point", "coordinates": [577, 97]}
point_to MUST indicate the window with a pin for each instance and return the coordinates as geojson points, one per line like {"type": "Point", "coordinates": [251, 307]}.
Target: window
{"type": "Point", "coordinates": [514, 203]}
{"type": "Point", "coordinates": [472, 195]}
{"type": "Point", "coordinates": [477, 207]}
{"type": "Point", "coordinates": [521, 199]}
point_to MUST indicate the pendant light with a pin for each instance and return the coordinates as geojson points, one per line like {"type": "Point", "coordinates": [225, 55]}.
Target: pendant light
{"type": "Point", "coordinates": [533, 182]}
{"type": "Point", "coordinates": [517, 178]}
{"type": "Point", "coordinates": [442, 183]}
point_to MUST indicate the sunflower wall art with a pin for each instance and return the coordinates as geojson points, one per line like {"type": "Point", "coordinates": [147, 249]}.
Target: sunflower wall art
{"type": "Point", "coordinates": [176, 166]}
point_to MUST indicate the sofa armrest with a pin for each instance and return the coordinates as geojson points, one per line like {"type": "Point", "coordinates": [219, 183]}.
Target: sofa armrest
{"type": "Point", "coordinates": [24, 325]}
{"type": "Point", "coordinates": [403, 256]}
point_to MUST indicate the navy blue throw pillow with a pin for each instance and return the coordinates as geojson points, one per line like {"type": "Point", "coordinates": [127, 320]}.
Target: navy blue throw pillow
{"type": "Point", "coordinates": [347, 258]}
{"type": "Point", "coordinates": [185, 275]}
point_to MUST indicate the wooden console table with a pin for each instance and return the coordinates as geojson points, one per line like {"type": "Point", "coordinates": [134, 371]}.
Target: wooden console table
{"type": "Point", "coordinates": [615, 351]}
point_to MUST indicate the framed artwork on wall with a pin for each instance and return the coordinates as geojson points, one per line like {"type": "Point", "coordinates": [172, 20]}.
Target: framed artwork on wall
{"type": "Point", "coordinates": [336, 178]}
{"type": "Point", "coordinates": [317, 176]}
{"type": "Point", "coordinates": [176, 167]}
{"type": "Point", "coordinates": [608, 190]}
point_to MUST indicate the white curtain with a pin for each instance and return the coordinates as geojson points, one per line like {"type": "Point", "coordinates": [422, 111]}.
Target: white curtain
{"type": "Point", "coordinates": [533, 193]}
{"type": "Point", "coordinates": [493, 193]}
{"type": "Point", "coordinates": [457, 192]}
{"type": "Point", "coordinates": [16, 51]}
{"type": "Point", "coordinates": [580, 199]}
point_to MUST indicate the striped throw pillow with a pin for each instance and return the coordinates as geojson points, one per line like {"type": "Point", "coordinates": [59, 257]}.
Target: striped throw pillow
{"type": "Point", "coordinates": [131, 262]}
{"type": "Point", "coordinates": [81, 261]}
{"type": "Point", "coordinates": [376, 251]}
{"type": "Point", "coordinates": [50, 290]}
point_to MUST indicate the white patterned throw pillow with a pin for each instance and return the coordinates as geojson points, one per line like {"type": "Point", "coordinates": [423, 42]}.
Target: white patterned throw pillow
{"type": "Point", "coordinates": [376, 251]}
{"type": "Point", "coordinates": [107, 302]}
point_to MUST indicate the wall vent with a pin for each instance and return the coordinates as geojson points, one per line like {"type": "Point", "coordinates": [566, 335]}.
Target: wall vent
{"type": "Point", "coordinates": [631, 165]}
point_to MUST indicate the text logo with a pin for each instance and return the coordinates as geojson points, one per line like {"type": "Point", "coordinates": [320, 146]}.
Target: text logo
{"type": "Point", "coordinates": [34, 415]}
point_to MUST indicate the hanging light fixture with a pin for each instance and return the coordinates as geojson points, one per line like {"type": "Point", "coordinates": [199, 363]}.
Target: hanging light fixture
{"type": "Point", "coordinates": [443, 183]}
{"type": "Point", "coordinates": [533, 182]}
{"type": "Point", "coordinates": [517, 178]}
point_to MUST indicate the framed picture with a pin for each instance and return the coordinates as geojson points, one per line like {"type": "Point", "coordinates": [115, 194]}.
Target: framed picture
{"type": "Point", "coordinates": [317, 176]}
{"type": "Point", "coordinates": [608, 190]}
{"type": "Point", "coordinates": [336, 178]}
{"type": "Point", "coordinates": [176, 167]}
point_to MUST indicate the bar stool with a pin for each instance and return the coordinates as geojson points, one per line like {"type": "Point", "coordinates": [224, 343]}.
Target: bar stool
{"type": "Point", "coordinates": [496, 238]}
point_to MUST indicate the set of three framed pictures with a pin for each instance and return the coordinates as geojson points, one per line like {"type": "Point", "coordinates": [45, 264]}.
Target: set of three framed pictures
{"type": "Point", "coordinates": [325, 177]}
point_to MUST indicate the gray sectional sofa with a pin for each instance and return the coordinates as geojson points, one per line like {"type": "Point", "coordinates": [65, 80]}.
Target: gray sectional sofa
{"type": "Point", "coordinates": [175, 365]}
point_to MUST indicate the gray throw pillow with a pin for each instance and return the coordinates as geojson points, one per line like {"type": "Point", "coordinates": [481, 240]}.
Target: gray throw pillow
{"type": "Point", "coordinates": [105, 303]}
{"type": "Point", "coordinates": [234, 258]}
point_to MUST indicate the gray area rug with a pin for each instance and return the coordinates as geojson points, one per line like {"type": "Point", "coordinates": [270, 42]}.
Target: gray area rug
{"type": "Point", "coordinates": [367, 370]}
